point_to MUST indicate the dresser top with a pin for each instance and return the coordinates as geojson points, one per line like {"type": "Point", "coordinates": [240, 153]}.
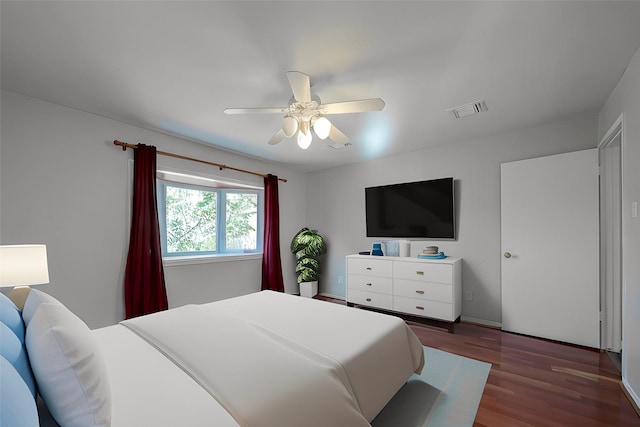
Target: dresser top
{"type": "Point", "coordinates": [447, 260]}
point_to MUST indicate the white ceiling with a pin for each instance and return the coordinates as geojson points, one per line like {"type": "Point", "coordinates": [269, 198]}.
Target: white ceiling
{"type": "Point", "coordinates": [175, 66]}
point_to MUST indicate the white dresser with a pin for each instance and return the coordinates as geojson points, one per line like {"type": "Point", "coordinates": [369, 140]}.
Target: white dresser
{"type": "Point", "coordinates": [419, 287]}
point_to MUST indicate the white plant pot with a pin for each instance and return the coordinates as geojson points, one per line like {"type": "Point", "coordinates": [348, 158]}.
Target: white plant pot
{"type": "Point", "coordinates": [309, 289]}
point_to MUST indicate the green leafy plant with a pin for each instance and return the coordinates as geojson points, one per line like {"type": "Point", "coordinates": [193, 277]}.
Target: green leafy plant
{"type": "Point", "coordinates": [307, 245]}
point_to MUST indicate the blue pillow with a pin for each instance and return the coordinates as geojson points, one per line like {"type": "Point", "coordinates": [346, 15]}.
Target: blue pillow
{"type": "Point", "coordinates": [17, 405]}
{"type": "Point", "coordinates": [10, 316]}
{"type": "Point", "coordinates": [15, 353]}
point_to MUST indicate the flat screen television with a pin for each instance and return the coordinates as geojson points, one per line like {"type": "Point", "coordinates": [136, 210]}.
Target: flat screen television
{"type": "Point", "coordinates": [423, 209]}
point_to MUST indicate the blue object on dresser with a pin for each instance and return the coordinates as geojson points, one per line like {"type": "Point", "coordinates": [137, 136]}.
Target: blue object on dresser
{"type": "Point", "coordinates": [439, 255]}
{"type": "Point", "coordinates": [377, 249]}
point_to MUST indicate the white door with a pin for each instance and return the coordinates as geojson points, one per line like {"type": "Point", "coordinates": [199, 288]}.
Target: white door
{"type": "Point", "coordinates": [550, 247]}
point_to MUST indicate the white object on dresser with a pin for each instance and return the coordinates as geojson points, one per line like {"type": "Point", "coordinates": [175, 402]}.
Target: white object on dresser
{"type": "Point", "coordinates": [420, 287]}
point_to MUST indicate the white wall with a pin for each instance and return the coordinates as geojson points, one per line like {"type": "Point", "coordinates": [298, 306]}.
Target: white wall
{"type": "Point", "coordinates": [625, 99]}
{"type": "Point", "coordinates": [335, 202]}
{"type": "Point", "coordinates": [65, 184]}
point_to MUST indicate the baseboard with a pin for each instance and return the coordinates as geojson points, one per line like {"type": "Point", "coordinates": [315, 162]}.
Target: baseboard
{"type": "Point", "coordinates": [631, 395]}
{"type": "Point", "coordinates": [481, 322]}
{"type": "Point", "coordinates": [325, 294]}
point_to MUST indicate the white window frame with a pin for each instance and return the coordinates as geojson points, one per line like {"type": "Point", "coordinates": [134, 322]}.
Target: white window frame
{"type": "Point", "coordinates": [222, 187]}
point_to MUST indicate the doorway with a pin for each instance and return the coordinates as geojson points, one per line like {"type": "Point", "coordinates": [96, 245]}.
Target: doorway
{"type": "Point", "coordinates": [610, 161]}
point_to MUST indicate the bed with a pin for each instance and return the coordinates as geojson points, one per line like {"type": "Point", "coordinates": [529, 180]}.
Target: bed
{"type": "Point", "coordinates": [263, 359]}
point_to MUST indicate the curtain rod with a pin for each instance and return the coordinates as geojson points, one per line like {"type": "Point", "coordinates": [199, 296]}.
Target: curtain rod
{"type": "Point", "coordinates": [124, 146]}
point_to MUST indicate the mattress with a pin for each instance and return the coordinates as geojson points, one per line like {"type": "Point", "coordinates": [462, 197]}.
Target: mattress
{"type": "Point", "coordinates": [379, 352]}
{"type": "Point", "coordinates": [265, 359]}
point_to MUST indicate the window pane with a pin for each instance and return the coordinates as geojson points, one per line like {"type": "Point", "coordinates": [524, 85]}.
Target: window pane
{"type": "Point", "coordinates": [190, 220]}
{"type": "Point", "coordinates": [241, 221]}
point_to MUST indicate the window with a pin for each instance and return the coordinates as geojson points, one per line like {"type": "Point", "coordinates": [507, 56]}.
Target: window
{"type": "Point", "coordinates": [201, 216]}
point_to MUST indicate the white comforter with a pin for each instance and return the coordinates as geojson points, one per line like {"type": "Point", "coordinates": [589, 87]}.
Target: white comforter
{"type": "Point", "coordinates": [271, 359]}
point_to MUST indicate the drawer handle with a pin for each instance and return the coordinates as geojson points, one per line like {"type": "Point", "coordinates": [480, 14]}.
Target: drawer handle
{"type": "Point", "coordinates": [368, 284]}
{"type": "Point", "coordinates": [420, 273]}
{"type": "Point", "coordinates": [420, 292]}
{"type": "Point", "coordinates": [419, 308]}
{"type": "Point", "coordinates": [369, 268]}
{"type": "Point", "coordinates": [368, 299]}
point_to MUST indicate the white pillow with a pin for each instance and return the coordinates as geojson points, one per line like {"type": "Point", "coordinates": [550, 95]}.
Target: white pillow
{"type": "Point", "coordinates": [69, 368]}
{"type": "Point", "coordinates": [33, 301]}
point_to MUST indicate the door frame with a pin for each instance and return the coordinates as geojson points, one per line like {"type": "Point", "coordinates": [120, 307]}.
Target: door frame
{"type": "Point", "coordinates": [611, 293]}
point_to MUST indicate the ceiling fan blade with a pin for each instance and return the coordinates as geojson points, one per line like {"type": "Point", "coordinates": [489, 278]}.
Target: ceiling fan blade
{"type": "Point", "coordinates": [256, 110]}
{"type": "Point", "coordinates": [337, 136]}
{"type": "Point", "coordinates": [300, 85]}
{"type": "Point", "coordinates": [359, 106]}
{"type": "Point", "coordinates": [279, 136]}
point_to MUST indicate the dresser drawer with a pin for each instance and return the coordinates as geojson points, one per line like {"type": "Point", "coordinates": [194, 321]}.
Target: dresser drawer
{"type": "Point", "coordinates": [371, 299]}
{"type": "Point", "coordinates": [423, 290]}
{"type": "Point", "coordinates": [370, 267]}
{"type": "Point", "coordinates": [381, 285]}
{"type": "Point", "coordinates": [425, 308]}
{"type": "Point", "coordinates": [427, 272]}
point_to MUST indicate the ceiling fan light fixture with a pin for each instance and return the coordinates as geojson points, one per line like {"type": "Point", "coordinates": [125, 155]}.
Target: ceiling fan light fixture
{"type": "Point", "coordinates": [289, 126]}
{"type": "Point", "coordinates": [305, 113]}
{"type": "Point", "coordinates": [322, 127]}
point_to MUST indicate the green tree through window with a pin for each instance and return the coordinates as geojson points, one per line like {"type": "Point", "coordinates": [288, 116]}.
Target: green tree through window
{"type": "Point", "coordinates": [191, 220]}
{"type": "Point", "coordinates": [242, 220]}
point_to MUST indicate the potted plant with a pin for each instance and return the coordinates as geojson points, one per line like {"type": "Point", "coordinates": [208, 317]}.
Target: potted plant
{"type": "Point", "coordinates": [307, 245]}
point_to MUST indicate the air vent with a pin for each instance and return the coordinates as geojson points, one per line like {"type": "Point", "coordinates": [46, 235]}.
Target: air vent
{"type": "Point", "coordinates": [468, 109]}
{"type": "Point", "coordinates": [338, 146]}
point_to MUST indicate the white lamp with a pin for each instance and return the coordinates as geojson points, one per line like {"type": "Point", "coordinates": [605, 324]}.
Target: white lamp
{"type": "Point", "coordinates": [304, 135]}
{"type": "Point", "coordinates": [289, 126]}
{"type": "Point", "coordinates": [304, 140]}
{"type": "Point", "coordinates": [21, 266]}
{"type": "Point", "coordinates": [322, 127]}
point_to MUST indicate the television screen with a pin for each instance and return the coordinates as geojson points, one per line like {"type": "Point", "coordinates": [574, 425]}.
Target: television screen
{"type": "Point", "coordinates": [423, 209]}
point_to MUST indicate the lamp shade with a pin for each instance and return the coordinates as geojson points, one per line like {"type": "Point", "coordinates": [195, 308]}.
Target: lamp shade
{"type": "Point", "coordinates": [304, 139]}
{"type": "Point", "coordinates": [289, 126]}
{"type": "Point", "coordinates": [23, 265]}
{"type": "Point", "coordinates": [322, 127]}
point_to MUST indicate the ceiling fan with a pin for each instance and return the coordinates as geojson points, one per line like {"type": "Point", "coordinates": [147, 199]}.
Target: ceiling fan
{"type": "Point", "coordinates": [306, 112]}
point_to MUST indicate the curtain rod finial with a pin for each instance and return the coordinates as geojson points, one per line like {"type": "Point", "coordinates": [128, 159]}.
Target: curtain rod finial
{"type": "Point", "coordinates": [120, 143]}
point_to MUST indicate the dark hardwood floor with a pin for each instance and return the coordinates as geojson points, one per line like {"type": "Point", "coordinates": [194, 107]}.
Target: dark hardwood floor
{"type": "Point", "coordinates": [536, 382]}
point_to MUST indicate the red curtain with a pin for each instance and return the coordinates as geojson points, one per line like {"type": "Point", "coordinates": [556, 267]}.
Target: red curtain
{"type": "Point", "coordinates": [271, 262]}
{"type": "Point", "coordinates": [144, 286]}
